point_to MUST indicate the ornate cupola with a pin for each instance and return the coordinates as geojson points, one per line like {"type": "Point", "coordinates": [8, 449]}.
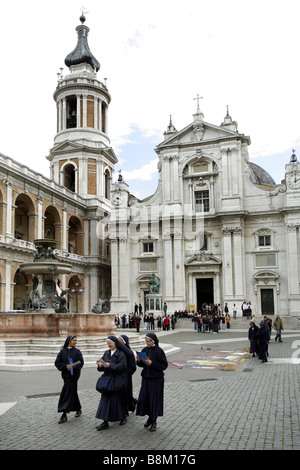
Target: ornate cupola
{"type": "Point", "coordinates": [81, 158]}
{"type": "Point", "coordinates": [82, 54]}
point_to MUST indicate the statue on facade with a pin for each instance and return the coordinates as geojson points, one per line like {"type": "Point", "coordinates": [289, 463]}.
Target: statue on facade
{"type": "Point", "coordinates": [154, 284]}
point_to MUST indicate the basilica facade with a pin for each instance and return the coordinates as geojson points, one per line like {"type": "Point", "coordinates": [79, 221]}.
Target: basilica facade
{"type": "Point", "coordinates": [218, 229]}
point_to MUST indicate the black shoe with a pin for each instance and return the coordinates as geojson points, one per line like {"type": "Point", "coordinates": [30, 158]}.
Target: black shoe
{"type": "Point", "coordinates": [78, 413]}
{"type": "Point", "coordinates": [63, 419]}
{"type": "Point", "coordinates": [153, 427]}
{"type": "Point", "coordinates": [123, 421]}
{"type": "Point", "coordinates": [147, 423]}
{"type": "Point", "coordinates": [102, 426]}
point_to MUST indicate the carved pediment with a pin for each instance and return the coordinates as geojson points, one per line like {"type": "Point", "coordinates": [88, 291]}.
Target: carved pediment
{"type": "Point", "coordinates": [70, 147]}
{"type": "Point", "coordinates": [203, 258]}
{"type": "Point", "coordinates": [266, 276]}
{"type": "Point", "coordinates": [199, 131]}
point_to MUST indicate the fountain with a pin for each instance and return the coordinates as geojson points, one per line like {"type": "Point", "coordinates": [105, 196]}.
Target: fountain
{"type": "Point", "coordinates": [46, 313]}
{"type": "Point", "coordinates": [46, 294]}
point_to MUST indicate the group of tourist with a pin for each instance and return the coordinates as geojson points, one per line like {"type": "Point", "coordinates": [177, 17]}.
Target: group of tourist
{"type": "Point", "coordinates": [118, 364]}
{"type": "Point", "coordinates": [260, 336]}
{"type": "Point", "coordinates": [149, 321]}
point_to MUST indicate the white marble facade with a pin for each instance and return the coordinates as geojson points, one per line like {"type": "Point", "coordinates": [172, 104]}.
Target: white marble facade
{"type": "Point", "coordinates": [218, 229]}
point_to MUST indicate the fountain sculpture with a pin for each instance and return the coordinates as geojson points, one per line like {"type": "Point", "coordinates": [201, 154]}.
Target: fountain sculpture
{"type": "Point", "coordinates": [46, 294]}
{"type": "Point", "coordinates": [46, 313]}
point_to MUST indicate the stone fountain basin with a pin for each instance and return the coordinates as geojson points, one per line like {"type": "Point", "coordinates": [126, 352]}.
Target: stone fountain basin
{"type": "Point", "coordinates": [46, 268]}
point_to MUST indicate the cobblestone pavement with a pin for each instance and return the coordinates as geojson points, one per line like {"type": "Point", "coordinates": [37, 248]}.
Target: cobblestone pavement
{"type": "Point", "coordinates": [255, 407]}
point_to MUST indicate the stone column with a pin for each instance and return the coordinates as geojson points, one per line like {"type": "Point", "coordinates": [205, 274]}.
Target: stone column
{"type": "Point", "coordinates": [94, 239]}
{"type": "Point", "coordinates": [168, 264]}
{"type": "Point", "coordinates": [64, 230]}
{"type": "Point", "coordinates": [95, 112]}
{"type": "Point", "coordinates": [227, 264]}
{"type": "Point", "coordinates": [78, 110]}
{"type": "Point", "coordinates": [100, 115]}
{"type": "Point", "coordinates": [114, 256]}
{"type": "Point", "coordinates": [191, 293]}
{"type": "Point", "coordinates": [292, 256]}
{"type": "Point", "coordinates": [64, 114]}
{"type": "Point", "coordinates": [40, 217]}
{"type": "Point", "coordinates": [124, 274]}
{"type": "Point", "coordinates": [225, 171]}
{"type": "Point", "coordinates": [84, 111]}
{"type": "Point", "coordinates": [238, 264]}
{"type": "Point", "coordinates": [179, 281]}
{"type": "Point", "coordinates": [9, 211]}
{"type": "Point", "coordinates": [7, 304]}
{"type": "Point", "coordinates": [175, 180]}
{"type": "Point", "coordinates": [166, 179]}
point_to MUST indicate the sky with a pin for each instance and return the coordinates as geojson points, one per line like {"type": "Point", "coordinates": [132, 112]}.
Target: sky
{"type": "Point", "coordinates": [156, 56]}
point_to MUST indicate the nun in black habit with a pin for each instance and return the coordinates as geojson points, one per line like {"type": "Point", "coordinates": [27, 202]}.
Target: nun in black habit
{"type": "Point", "coordinates": [252, 332]}
{"type": "Point", "coordinates": [263, 337]}
{"type": "Point", "coordinates": [68, 355]}
{"type": "Point", "coordinates": [123, 344]}
{"type": "Point", "coordinates": [113, 406]}
{"type": "Point", "coordinates": [151, 396]}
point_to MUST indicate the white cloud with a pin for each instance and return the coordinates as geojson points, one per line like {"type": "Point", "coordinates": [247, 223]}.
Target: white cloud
{"type": "Point", "coordinates": [144, 173]}
{"type": "Point", "coordinates": [156, 56]}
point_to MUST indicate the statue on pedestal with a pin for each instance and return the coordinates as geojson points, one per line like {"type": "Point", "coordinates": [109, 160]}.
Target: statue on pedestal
{"type": "Point", "coordinates": [154, 284]}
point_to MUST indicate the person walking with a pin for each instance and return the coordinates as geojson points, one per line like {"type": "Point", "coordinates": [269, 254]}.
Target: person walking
{"type": "Point", "coordinates": [252, 332]}
{"type": "Point", "coordinates": [113, 405]}
{"type": "Point", "coordinates": [151, 396]}
{"type": "Point", "coordinates": [278, 326]}
{"type": "Point", "coordinates": [123, 345]}
{"type": "Point", "coordinates": [69, 362]}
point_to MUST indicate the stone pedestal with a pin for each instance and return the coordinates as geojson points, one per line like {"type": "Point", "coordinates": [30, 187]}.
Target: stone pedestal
{"type": "Point", "coordinates": [154, 303]}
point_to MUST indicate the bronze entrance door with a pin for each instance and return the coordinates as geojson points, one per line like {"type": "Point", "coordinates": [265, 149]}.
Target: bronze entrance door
{"type": "Point", "coordinates": [205, 292]}
{"type": "Point", "coordinates": [267, 301]}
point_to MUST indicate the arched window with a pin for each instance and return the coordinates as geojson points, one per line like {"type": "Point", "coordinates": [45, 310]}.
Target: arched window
{"type": "Point", "coordinates": [69, 175]}
{"type": "Point", "coordinates": [24, 227]}
{"type": "Point", "coordinates": [71, 112]}
{"type": "Point", "coordinates": [52, 225]}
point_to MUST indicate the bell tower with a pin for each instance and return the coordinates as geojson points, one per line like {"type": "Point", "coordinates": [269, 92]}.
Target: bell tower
{"type": "Point", "coordinates": [82, 159]}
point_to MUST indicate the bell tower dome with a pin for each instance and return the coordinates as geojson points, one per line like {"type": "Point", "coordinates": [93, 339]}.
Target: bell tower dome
{"type": "Point", "coordinates": [81, 158]}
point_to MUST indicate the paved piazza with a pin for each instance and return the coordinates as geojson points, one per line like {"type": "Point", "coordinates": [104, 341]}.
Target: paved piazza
{"type": "Point", "coordinates": [254, 407]}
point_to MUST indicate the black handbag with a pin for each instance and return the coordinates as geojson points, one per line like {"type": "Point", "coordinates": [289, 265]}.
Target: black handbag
{"type": "Point", "coordinates": [104, 384]}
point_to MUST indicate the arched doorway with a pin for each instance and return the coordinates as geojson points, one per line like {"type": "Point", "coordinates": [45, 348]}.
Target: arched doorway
{"type": "Point", "coordinates": [20, 291]}
{"type": "Point", "coordinates": [75, 295]}
{"type": "Point", "coordinates": [75, 243]}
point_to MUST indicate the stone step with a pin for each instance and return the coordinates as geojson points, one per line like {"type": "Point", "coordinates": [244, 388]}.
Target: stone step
{"type": "Point", "coordinates": [24, 355]}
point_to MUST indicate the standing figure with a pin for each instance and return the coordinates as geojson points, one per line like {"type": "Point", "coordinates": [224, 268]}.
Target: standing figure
{"type": "Point", "coordinates": [131, 368]}
{"type": "Point", "coordinates": [151, 396]}
{"type": "Point", "coordinates": [278, 326]}
{"type": "Point", "coordinates": [263, 340]}
{"type": "Point", "coordinates": [70, 362]}
{"type": "Point", "coordinates": [252, 338]}
{"type": "Point", "coordinates": [113, 406]}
